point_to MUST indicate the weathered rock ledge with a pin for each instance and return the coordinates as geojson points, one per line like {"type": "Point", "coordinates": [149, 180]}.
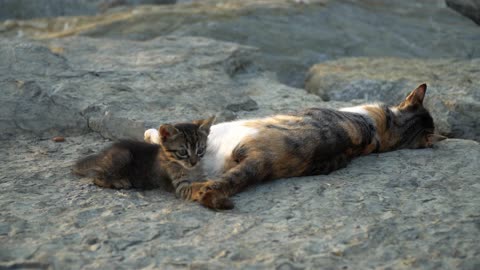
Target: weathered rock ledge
{"type": "Point", "coordinates": [71, 86]}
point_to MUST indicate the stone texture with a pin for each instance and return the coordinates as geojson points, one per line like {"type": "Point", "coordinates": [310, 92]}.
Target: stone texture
{"type": "Point", "coordinates": [71, 86]}
{"type": "Point", "coordinates": [453, 94]}
{"type": "Point", "coordinates": [291, 37]}
{"type": "Point", "coordinates": [27, 9]}
{"type": "Point", "coordinates": [469, 8]}
{"type": "Point", "coordinates": [405, 209]}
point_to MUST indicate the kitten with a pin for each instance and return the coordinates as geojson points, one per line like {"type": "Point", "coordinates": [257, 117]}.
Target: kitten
{"type": "Point", "coordinates": [314, 141]}
{"type": "Point", "coordinates": [129, 163]}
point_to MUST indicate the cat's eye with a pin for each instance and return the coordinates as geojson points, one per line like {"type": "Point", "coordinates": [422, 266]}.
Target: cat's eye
{"type": "Point", "coordinates": [182, 153]}
{"type": "Point", "coordinates": [201, 151]}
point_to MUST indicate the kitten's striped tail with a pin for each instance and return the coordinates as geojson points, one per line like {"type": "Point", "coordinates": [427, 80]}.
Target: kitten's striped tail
{"type": "Point", "coordinates": [86, 165]}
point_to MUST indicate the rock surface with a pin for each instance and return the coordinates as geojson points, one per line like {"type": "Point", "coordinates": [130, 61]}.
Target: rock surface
{"type": "Point", "coordinates": [405, 209]}
{"type": "Point", "coordinates": [469, 8]}
{"type": "Point", "coordinates": [291, 37]}
{"type": "Point", "coordinates": [453, 95]}
{"type": "Point", "coordinates": [70, 86]}
{"type": "Point", "coordinates": [27, 9]}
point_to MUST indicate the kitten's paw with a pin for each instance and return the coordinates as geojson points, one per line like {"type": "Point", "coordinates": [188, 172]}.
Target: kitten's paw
{"type": "Point", "coordinates": [117, 184]}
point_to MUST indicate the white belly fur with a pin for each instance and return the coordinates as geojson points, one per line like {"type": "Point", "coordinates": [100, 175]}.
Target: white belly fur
{"type": "Point", "coordinates": [356, 109]}
{"type": "Point", "coordinates": [223, 138]}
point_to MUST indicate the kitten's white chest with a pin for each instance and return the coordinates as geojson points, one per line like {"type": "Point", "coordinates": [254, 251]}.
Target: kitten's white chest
{"type": "Point", "coordinates": [223, 138]}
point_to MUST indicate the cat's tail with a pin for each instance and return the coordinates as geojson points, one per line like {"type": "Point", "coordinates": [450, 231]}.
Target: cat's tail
{"type": "Point", "coordinates": [108, 163]}
{"type": "Point", "coordinates": [86, 165]}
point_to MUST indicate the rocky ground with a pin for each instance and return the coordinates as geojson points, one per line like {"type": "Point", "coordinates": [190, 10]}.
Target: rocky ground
{"type": "Point", "coordinates": [94, 79]}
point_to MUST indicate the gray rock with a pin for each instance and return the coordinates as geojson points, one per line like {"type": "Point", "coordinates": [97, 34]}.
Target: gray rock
{"type": "Point", "coordinates": [247, 104]}
{"type": "Point", "coordinates": [27, 9]}
{"type": "Point", "coordinates": [469, 8]}
{"type": "Point", "coordinates": [120, 88]}
{"type": "Point", "coordinates": [291, 37]}
{"type": "Point", "coordinates": [453, 94]}
{"type": "Point", "coordinates": [404, 209]}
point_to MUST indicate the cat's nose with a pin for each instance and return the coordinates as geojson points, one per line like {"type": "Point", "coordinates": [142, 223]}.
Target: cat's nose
{"type": "Point", "coordinates": [193, 162]}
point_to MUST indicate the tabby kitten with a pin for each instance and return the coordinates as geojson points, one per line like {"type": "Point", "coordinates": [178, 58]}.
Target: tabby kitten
{"type": "Point", "coordinates": [311, 142]}
{"type": "Point", "coordinates": [129, 163]}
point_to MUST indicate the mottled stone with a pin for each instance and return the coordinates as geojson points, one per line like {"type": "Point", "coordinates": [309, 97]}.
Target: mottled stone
{"type": "Point", "coordinates": [118, 89]}
{"type": "Point", "coordinates": [27, 9]}
{"type": "Point", "coordinates": [291, 37]}
{"type": "Point", "coordinates": [469, 8]}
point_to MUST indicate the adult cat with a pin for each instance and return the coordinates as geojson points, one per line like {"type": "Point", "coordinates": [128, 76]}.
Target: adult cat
{"type": "Point", "coordinates": [310, 142]}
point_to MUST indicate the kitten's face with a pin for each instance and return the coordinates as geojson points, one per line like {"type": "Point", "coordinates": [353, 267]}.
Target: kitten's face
{"type": "Point", "coordinates": [185, 143]}
{"type": "Point", "coordinates": [413, 122]}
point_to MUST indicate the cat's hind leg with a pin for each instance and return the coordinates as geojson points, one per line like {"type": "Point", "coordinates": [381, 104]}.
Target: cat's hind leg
{"type": "Point", "coordinates": [115, 184]}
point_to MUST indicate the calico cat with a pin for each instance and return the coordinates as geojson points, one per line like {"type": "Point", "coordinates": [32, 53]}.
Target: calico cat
{"type": "Point", "coordinates": [310, 142]}
{"type": "Point", "coordinates": [171, 163]}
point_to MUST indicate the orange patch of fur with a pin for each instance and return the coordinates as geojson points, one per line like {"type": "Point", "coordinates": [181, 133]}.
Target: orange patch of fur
{"type": "Point", "coordinates": [352, 132]}
{"type": "Point", "coordinates": [198, 189]}
{"type": "Point", "coordinates": [282, 160]}
{"type": "Point", "coordinates": [378, 115]}
{"type": "Point", "coordinates": [369, 149]}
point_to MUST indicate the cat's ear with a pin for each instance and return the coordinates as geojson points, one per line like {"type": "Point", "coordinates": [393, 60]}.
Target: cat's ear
{"type": "Point", "coordinates": [416, 96]}
{"type": "Point", "coordinates": [167, 131]}
{"type": "Point", "coordinates": [205, 124]}
{"type": "Point", "coordinates": [434, 138]}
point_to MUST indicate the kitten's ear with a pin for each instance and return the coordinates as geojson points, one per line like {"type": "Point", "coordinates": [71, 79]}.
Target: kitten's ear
{"type": "Point", "coordinates": [205, 124]}
{"type": "Point", "coordinates": [416, 96]}
{"type": "Point", "coordinates": [434, 138]}
{"type": "Point", "coordinates": [167, 131]}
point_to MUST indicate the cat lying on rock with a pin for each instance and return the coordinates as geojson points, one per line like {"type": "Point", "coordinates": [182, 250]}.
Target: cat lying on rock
{"type": "Point", "coordinates": [245, 152]}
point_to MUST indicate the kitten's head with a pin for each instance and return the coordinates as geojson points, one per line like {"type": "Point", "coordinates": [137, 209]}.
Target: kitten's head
{"type": "Point", "coordinates": [413, 123]}
{"type": "Point", "coordinates": [185, 143]}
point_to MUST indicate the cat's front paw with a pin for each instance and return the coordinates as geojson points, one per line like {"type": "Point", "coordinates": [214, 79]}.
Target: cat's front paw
{"type": "Point", "coordinates": [209, 194]}
{"type": "Point", "coordinates": [216, 200]}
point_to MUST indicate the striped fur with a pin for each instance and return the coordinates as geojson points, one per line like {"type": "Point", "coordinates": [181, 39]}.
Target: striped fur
{"type": "Point", "coordinates": [171, 163]}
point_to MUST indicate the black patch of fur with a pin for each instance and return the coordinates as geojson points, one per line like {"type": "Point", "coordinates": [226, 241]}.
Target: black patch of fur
{"type": "Point", "coordinates": [329, 151]}
{"type": "Point", "coordinates": [126, 159]}
{"type": "Point", "coordinates": [412, 124]}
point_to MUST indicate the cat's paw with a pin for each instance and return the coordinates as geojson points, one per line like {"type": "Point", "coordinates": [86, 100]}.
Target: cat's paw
{"type": "Point", "coordinates": [215, 199]}
{"type": "Point", "coordinates": [116, 184]}
{"type": "Point", "coordinates": [209, 194]}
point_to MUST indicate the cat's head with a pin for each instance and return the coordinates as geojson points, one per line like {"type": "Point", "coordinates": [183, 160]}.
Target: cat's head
{"type": "Point", "coordinates": [185, 143]}
{"type": "Point", "coordinates": [413, 124]}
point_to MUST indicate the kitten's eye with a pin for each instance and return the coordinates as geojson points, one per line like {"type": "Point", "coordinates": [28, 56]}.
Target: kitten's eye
{"type": "Point", "coordinates": [182, 153]}
{"type": "Point", "coordinates": [201, 151]}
